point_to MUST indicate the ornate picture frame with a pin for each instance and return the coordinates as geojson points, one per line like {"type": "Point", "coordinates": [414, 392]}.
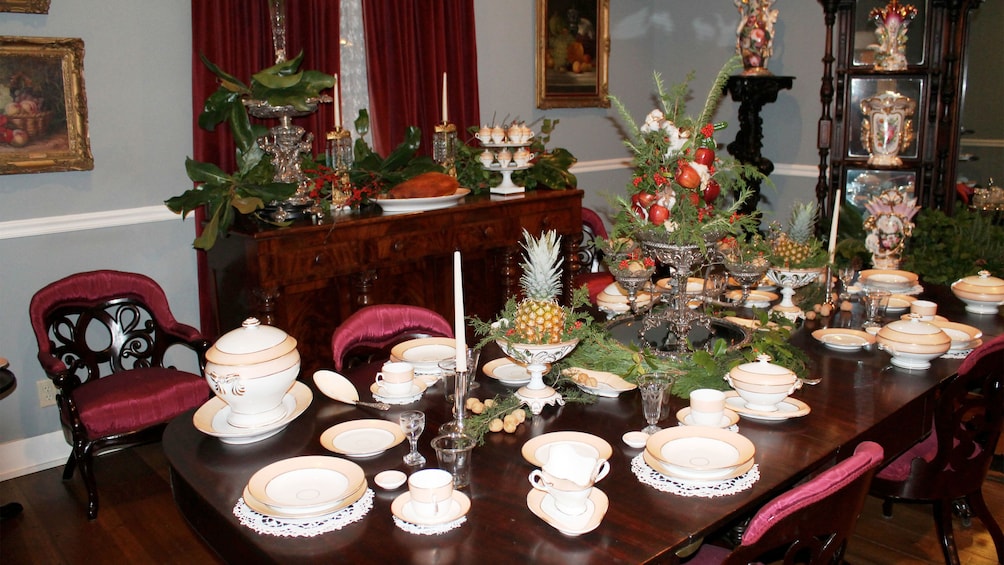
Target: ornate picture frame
{"type": "Point", "coordinates": [43, 106]}
{"type": "Point", "coordinates": [573, 53]}
{"type": "Point", "coordinates": [25, 6]}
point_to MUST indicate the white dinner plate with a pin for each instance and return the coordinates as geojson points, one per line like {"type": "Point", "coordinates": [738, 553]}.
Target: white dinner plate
{"type": "Point", "coordinates": [787, 409]}
{"type": "Point", "coordinates": [700, 451]}
{"type": "Point", "coordinates": [310, 482]}
{"type": "Point", "coordinates": [507, 372]}
{"type": "Point", "coordinates": [305, 516]}
{"type": "Point", "coordinates": [211, 417]}
{"type": "Point", "coordinates": [425, 353]}
{"type": "Point", "coordinates": [538, 449]}
{"type": "Point", "coordinates": [842, 339]}
{"type": "Point", "coordinates": [402, 205]}
{"type": "Point", "coordinates": [756, 298]}
{"type": "Point", "coordinates": [362, 438]}
{"type": "Point", "coordinates": [713, 476]}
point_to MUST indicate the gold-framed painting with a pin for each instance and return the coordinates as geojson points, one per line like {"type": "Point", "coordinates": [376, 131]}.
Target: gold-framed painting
{"type": "Point", "coordinates": [573, 53]}
{"type": "Point", "coordinates": [43, 124]}
{"type": "Point", "coordinates": [25, 6]}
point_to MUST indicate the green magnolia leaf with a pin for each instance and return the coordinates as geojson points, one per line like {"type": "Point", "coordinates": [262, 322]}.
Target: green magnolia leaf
{"type": "Point", "coordinates": [269, 80]}
{"type": "Point", "coordinates": [247, 205]}
{"type": "Point", "coordinates": [206, 172]}
{"type": "Point", "coordinates": [362, 123]}
{"type": "Point", "coordinates": [403, 153]}
{"type": "Point", "coordinates": [218, 108]}
{"type": "Point", "coordinates": [227, 81]}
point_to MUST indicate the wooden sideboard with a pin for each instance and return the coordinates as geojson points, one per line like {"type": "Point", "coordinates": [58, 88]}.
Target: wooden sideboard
{"type": "Point", "coordinates": [306, 279]}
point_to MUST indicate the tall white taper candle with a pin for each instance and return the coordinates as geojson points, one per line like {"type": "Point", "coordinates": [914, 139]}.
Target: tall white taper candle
{"type": "Point", "coordinates": [337, 104]}
{"type": "Point", "coordinates": [444, 98]}
{"type": "Point", "coordinates": [458, 308]}
{"type": "Point", "coordinates": [833, 225]}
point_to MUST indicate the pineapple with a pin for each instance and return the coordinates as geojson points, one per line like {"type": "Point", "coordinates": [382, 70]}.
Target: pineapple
{"type": "Point", "coordinates": [539, 317]}
{"type": "Point", "coordinates": [798, 247]}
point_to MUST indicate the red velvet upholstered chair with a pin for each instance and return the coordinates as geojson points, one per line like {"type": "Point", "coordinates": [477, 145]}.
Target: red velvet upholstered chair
{"type": "Point", "coordinates": [593, 274]}
{"type": "Point", "coordinates": [811, 522]}
{"type": "Point", "coordinates": [376, 329]}
{"type": "Point", "coordinates": [102, 337]}
{"type": "Point", "coordinates": [949, 466]}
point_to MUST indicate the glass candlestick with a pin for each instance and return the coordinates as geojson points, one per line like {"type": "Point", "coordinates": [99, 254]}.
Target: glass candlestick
{"type": "Point", "coordinates": [444, 147]}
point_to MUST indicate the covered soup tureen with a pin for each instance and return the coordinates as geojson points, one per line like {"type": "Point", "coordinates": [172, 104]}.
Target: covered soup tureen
{"type": "Point", "coordinates": [251, 369]}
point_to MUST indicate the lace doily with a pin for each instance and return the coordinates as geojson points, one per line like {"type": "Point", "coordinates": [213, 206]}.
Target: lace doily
{"type": "Point", "coordinates": [703, 489]}
{"type": "Point", "coordinates": [306, 527]}
{"type": "Point", "coordinates": [399, 400]}
{"type": "Point", "coordinates": [957, 354]}
{"type": "Point", "coordinates": [429, 530]}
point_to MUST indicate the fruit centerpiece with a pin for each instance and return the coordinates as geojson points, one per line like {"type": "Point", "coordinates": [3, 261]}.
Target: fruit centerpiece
{"type": "Point", "coordinates": [797, 255]}
{"type": "Point", "coordinates": [683, 196]}
{"type": "Point", "coordinates": [538, 331]}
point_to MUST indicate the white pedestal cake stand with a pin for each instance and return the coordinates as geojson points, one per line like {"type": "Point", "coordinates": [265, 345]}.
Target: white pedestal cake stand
{"type": "Point", "coordinates": [536, 394]}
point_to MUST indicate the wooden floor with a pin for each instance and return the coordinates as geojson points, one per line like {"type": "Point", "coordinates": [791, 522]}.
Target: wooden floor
{"type": "Point", "coordinates": [138, 522]}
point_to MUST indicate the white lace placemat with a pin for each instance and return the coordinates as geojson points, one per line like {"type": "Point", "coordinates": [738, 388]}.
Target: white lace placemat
{"type": "Point", "coordinates": [957, 354]}
{"type": "Point", "coordinates": [306, 527]}
{"type": "Point", "coordinates": [703, 489]}
{"type": "Point", "coordinates": [429, 530]}
{"type": "Point", "coordinates": [398, 400]}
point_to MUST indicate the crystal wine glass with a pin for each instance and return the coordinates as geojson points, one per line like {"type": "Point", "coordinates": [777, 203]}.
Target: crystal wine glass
{"type": "Point", "coordinates": [653, 387]}
{"type": "Point", "coordinates": [413, 424]}
{"type": "Point", "coordinates": [847, 275]}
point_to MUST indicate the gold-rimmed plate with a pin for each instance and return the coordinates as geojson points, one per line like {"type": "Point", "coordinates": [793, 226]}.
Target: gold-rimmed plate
{"type": "Point", "coordinates": [425, 353]}
{"type": "Point", "coordinates": [714, 476]}
{"type": "Point", "coordinates": [843, 339]}
{"type": "Point", "coordinates": [362, 438]}
{"type": "Point", "coordinates": [303, 484]}
{"type": "Point", "coordinates": [699, 450]}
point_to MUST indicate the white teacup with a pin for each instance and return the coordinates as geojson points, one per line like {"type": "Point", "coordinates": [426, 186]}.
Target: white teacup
{"type": "Point", "coordinates": [924, 308]}
{"type": "Point", "coordinates": [707, 406]}
{"type": "Point", "coordinates": [498, 135]}
{"type": "Point", "coordinates": [396, 378]}
{"type": "Point", "coordinates": [484, 134]}
{"type": "Point", "coordinates": [564, 462]}
{"type": "Point", "coordinates": [431, 491]}
{"type": "Point", "coordinates": [569, 498]}
{"type": "Point", "coordinates": [486, 158]}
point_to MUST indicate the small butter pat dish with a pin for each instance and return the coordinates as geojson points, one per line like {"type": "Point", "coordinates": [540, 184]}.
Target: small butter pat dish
{"type": "Point", "coordinates": [636, 440]}
{"type": "Point", "coordinates": [390, 480]}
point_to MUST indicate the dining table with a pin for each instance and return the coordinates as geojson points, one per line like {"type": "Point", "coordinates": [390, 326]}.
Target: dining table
{"type": "Point", "coordinates": [859, 396]}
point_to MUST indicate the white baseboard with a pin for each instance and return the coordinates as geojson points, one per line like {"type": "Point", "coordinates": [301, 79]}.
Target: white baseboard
{"type": "Point", "coordinates": [30, 455]}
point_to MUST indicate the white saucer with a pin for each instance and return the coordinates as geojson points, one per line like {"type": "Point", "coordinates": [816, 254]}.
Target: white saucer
{"type": "Point", "coordinates": [729, 418]}
{"type": "Point", "coordinates": [211, 417]}
{"type": "Point", "coordinates": [460, 504]}
{"type": "Point", "coordinates": [538, 450]}
{"type": "Point", "coordinates": [787, 409]}
{"type": "Point", "coordinates": [542, 505]}
{"type": "Point", "coordinates": [425, 353]}
{"type": "Point", "coordinates": [362, 438]}
{"type": "Point", "coordinates": [417, 388]}
{"type": "Point", "coordinates": [505, 371]}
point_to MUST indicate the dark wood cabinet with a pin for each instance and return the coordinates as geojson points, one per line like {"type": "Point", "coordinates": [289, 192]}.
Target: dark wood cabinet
{"type": "Point", "coordinates": [928, 85]}
{"type": "Point", "coordinates": [306, 279]}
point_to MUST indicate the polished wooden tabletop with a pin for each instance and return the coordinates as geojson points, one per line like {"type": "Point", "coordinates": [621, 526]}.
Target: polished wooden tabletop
{"type": "Point", "coordinates": [859, 397]}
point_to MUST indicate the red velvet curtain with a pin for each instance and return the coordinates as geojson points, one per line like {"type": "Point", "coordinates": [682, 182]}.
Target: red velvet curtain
{"type": "Point", "coordinates": [409, 45]}
{"type": "Point", "coordinates": [236, 36]}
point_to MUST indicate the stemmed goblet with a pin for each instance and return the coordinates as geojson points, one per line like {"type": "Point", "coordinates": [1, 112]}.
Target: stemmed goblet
{"type": "Point", "coordinates": [746, 271]}
{"type": "Point", "coordinates": [846, 275]}
{"type": "Point", "coordinates": [413, 424]}
{"type": "Point", "coordinates": [653, 387]}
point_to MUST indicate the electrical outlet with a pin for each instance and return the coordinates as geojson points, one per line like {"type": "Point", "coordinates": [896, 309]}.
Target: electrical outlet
{"type": "Point", "coordinates": [46, 393]}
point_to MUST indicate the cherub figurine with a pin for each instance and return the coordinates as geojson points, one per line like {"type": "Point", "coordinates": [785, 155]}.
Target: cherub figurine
{"type": "Point", "coordinates": [755, 34]}
{"type": "Point", "coordinates": [890, 223]}
{"type": "Point", "coordinates": [891, 24]}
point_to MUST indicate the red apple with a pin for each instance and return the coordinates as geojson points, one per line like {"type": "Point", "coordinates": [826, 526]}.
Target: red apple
{"type": "Point", "coordinates": [658, 214]}
{"type": "Point", "coordinates": [643, 199]}
{"type": "Point", "coordinates": [704, 156]}
{"type": "Point", "coordinates": [694, 198]}
{"type": "Point", "coordinates": [687, 176]}
{"type": "Point", "coordinates": [712, 191]}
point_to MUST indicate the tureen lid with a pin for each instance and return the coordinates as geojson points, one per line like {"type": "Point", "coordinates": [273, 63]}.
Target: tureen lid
{"type": "Point", "coordinates": [913, 330]}
{"type": "Point", "coordinates": [982, 283]}
{"type": "Point", "coordinates": [253, 342]}
{"type": "Point", "coordinates": [763, 371]}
